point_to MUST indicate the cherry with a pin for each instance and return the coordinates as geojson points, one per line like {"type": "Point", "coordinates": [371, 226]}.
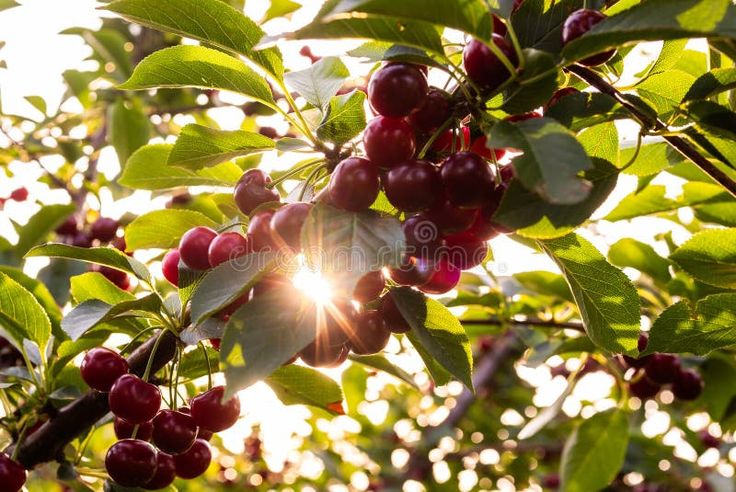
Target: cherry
{"type": "Point", "coordinates": [468, 180]}
{"type": "Point", "coordinates": [251, 191]}
{"type": "Point", "coordinates": [286, 224]}
{"type": "Point", "coordinates": [479, 147]}
{"type": "Point", "coordinates": [68, 227]}
{"type": "Point", "coordinates": [104, 229]}
{"type": "Point", "coordinates": [131, 462]}
{"type": "Point", "coordinates": [663, 368]}
{"type": "Point", "coordinates": [483, 67]}
{"type": "Point", "coordinates": [483, 228]}
{"type": "Point", "coordinates": [170, 267]}
{"type": "Point", "coordinates": [688, 385]}
{"type": "Point", "coordinates": [173, 432]}
{"type": "Point", "coordinates": [389, 141]}
{"type": "Point", "coordinates": [412, 186]}
{"type": "Point", "coordinates": [642, 346]}
{"type": "Point", "coordinates": [133, 399]}
{"type": "Point", "coordinates": [551, 481]}
{"type": "Point", "coordinates": [411, 272]}
{"type": "Point", "coordinates": [443, 143]}
{"type": "Point", "coordinates": [515, 118]}
{"type": "Point", "coordinates": [354, 184]}
{"type": "Point", "coordinates": [370, 335]}
{"type": "Point", "coordinates": [194, 246]}
{"type": "Point", "coordinates": [498, 26]}
{"type": "Point", "coordinates": [101, 367]}
{"type": "Point", "coordinates": [465, 251]}
{"type": "Point", "coordinates": [395, 321]}
{"type": "Point", "coordinates": [558, 95]}
{"type": "Point", "coordinates": [444, 278]}
{"type": "Point", "coordinates": [422, 236]}
{"type": "Point", "coordinates": [81, 240]}
{"type": "Point", "coordinates": [259, 231]}
{"type": "Point", "coordinates": [118, 243]}
{"type": "Point", "coordinates": [117, 277]}
{"type": "Point", "coordinates": [228, 246]}
{"type": "Point", "coordinates": [450, 219]}
{"type": "Point", "coordinates": [19, 195]}
{"type": "Point", "coordinates": [215, 342]}
{"type": "Point", "coordinates": [577, 24]}
{"type": "Point", "coordinates": [165, 472]}
{"type": "Point", "coordinates": [203, 433]}
{"type": "Point", "coordinates": [124, 430]}
{"type": "Point", "coordinates": [369, 287]}
{"type": "Point", "coordinates": [211, 413]}
{"type": "Point", "coordinates": [397, 89]}
{"type": "Point", "coordinates": [433, 113]}
{"type": "Point", "coordinates": [195, 461]}
{"type": "Point", "coordinates": [339, 320]}
{"type": "Point", "coordinates": [644, 388]}
{"type": "Point", "coordinates": [12, 474]}
{"type": "Point", "coordinates": [316, 355]}
{"type": "Point", "coordinates": [708, 439]}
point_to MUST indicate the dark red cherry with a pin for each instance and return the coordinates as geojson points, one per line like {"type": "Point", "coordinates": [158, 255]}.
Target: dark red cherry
{"type": "Point", "coordinates": [467, 179]}
{"type": "Point", "coordinates": [531, 115]}
{"type": "Point", "coordinates": [642, 346]}
{"type": "Point", "coordinates": [483, 67]}
{"type": "Point", "coordinates": [316, 355]}
{"type": "Point", "coordinates": [558, 95]}
{"type": "Point", "coordinates": [251, 191]}
{"type": "Point", "coordinates": [465, 251]}
{"type": "Point", "coordinates": [203, 433]}
{"type": "Point", "coordinates": [104, 229]}
{"type": "Point", "coordinates": [19, 195]}
{"type": "Point", "coordinates": [411, 272]}
{"type": "Point", "coordinates": [354, 184]}
{"type": "Point", "coordinates": [498, 26]}
{"type": "Point", "coordinates": [228, 246]}
{"type": "Point", "coordinates": [370, 335]}
{"type": "Point", "coordinates": [101, 367]}
{"type": "Point", "coordinates": [397, 89]}
{"type": "Point", "coordinates": [170, 267]}
{"type": "Point", "coordinates": [444, 278]}
{"type": "Point", "coordinates": [124, 430]}
{"type": "Point", "coordinates": [195, 461]}
{"type": "Point", "coordinates": [81, 240]}
{"type": "Point", "coordinates": [482, 228]}
{"type": "Point", "coordinates": [68, 227]}
{"type": "Point", "coordinates": [117, 277]}
{"type": "Point", "coordinates": [131, 462]}
{"type": "Point", "coordinates": [450, 219]}
{"type": "Point", "coordinates": [577, 24]}
{"type": "Point", "coordinates": [211, 413]}
{"type": "Point", "coordinates": [412, 185]}
{"type": "Point", "coordinates": [173, 432]}
{"type": "Point", "coordinates": [369, 287]}
{"type": "Point", "coordinates": [389, 141]}
{"type": "Point", "coordinates": [708, 439]}
{"type": "Point", "coordinates": [663, 368]}
{"type": "Point", "coordinates": [443, 143]}
{"type": "Point", "coordinates": [165, 472]}
{"type": "Point", "coordinates": [194, 247]}
{"type": "Point", "coordinates": [644, 388]}
{"type": "Point", "coordinates": [12, 474]}
{"type": "Point", "coordinates": [422, 236]}
{"type": "Point", "coordinates": [479, 147]}
{"type": "Point", "coordinates": [395, 321]}
{"type": "Point", "coordinates": [433, 113]}
{"type": "Point", "coordinates": [133, 399]}
{"type": "Point", "coordinates": [688, 385]}
{"type": "Point", "coordinates": [259, 231]}
{"type": "Point", "coordinates": [286, 225]}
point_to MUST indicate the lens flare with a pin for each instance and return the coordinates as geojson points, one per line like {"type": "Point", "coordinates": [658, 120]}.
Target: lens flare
{"type": "Point", "coordinates": [313, 285]}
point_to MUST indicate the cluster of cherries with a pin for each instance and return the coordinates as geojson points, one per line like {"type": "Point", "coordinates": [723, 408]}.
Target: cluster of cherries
{"type": "Point", "coordinates": [179, 435]}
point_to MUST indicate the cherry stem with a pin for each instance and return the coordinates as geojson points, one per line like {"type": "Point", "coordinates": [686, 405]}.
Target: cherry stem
{"type": "Point", "coordinates": [20, 441]}
{"type": "Point", "coordinates": [292, 172]}
{"type": "Point", "coordinates": [175, 378]}
{"type": "Point", "coordinates": [209, 367]}
{"type": "Point", "coordinates": [149, 365]}
{"type": "Point", "coordinates": [435, 136]}
{"type": "Point", "coordinates": [133, 340]}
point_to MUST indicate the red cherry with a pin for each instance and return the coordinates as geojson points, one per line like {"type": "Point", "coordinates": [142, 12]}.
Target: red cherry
{"type": "Point", "coordinates": [412, 186]}
{"type": "Point", "coordinates": [170, 267]}
{"type": "Point", "coordinates": [663, 368]}
{"type": "Point", "coordinates": [422, 236]}
{"type": "Point", "coordinates": [465, 251]}
{"type": "Point", "coordinates": [558, 95]}
{"type": "Point", "coordinates": [443, 143]}
{"type": "Point", "coordinates": [370, 335]}
{"type": "Point", "coordinates": [124, 430]}
{"type": "Point", "coordinates": [450, 219]}
{"type": "Point", "coordinates": [435, 110]}
{"type": "Point", "coordinates": [397, 89]}
{"type": "Point", "coordinates": [251, 191]}
{"type": "Point", "coordinates": [577, 24]}
{"type": "Point", "coordinates": [483, 67]}
{"type": "Point", "coordinates": [369, 287]}
{"type": "Point", "coordinates": [688, 385]}
{"type": "Point", "coordinates": [165, 472]}
{"type": "Point", "coordinates": [316, 355]}
{"type": "Point", "coordinates": [19, 195]}
{"type": "Point", "coordinates": [354, 184]}
{"type": "Point", "coordinates": [259, 231]}
{"type": "Point", "coordinates": [101, 367]}
{"type": "Point", "coordinates": [498, 26]}
{"type": "Point", "coordinates": [395, 321]}
{"type": "Point", "coordinates": [286, 225]}
{"type": "Point", "coordinates": [467, 179]}
{"type": "Point", "coordinates": [117, 277]}
{"type": "Point", "coordinates": [479, 147]}
{"type": "Point", "coordinates": [644, 388]}
{"type": "Point", "coordinates": [81, 240]}
{"type": "Point", "coordinates": [216, 343]}
{"type": "Point", "coordinates": [195, 461]}
{"type": "Point", "coordinates": [211, 413]}
{"type": "Point", "coordinates": [412, 272]}
{"type": "Point", "coordinates": [708, 439]}
{"type": "Point", "coordinates": [194, 246]}
{"type": "Point", "coordinates": [104, 229]}
{"type": "Point", "coordinates": [389, 141]}
{"type": "Point", "coordinates": [445, 277]}
{"type": "Point", "coordinates": [173, 432]}
{"type": "Point", "coordinates": [483, 228]}
{"type": "Point", "coordinates": [202, 433]}
{"type": "Point", "coordinates": [515, 118]}
{"type": "Point", "coordinates": [12, 474]}
{"type": "Point", "coordinates": [228, 246]}
{"type": "Point", "coordinates": [68, 227]}
{"type": "Point", "coordinates": [133, 399]}
{"type": "Point", "coordinates": [131, 462]}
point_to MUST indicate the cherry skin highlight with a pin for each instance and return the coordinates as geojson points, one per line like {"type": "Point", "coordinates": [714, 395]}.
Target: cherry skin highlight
{"type": "Point", "coordinates": [194, 247]}
{"type": "Point", "coordinates": [445, 277]}
{"type": "Point", "coordinates": [133, 399]}
{"type": "Point", "coordinates": [397, 90]}
{"type": "Point", "coordinates": [227, 246]}
{"type": "Point", "coordinates": [251, 191]}
{"type": "Point", "coordinates": [101, 367]}
{"type": "Point", "coordinates": [210, 412]}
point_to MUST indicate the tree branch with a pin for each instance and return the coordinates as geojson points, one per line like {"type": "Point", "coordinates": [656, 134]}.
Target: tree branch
{"type": "Point", "coordinates": [679, 143]}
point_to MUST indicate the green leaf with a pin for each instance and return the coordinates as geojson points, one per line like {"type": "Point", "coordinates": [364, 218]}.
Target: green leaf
{"type": "Point", "coordinates": [197, 66]}
{"type": "Point", "coordinates": [545, 283]}
{"type": "Point", "coordinates": [94, 285]}
{"type": "Point", "coordinates": [648, 201]}
{"type": "Point", "coordinates": [595, 452]}
{"type": "Point", "coordinates": [193, 364]}
{"type": "Point", "coordinates": [381, 363]}
{"type": "Point", "coordinates": [109, 47]}
{"type": "Point", "coordinates": [280, 8]}
{"type": "Point", "coordinates": [584, 109]}
{"type": "Point", "coordinates": [712, 83]}
{"type": "Point", "coordinates": [318, 83]}
{"type": "Point", "coordinates": [601, 141]}
{"type": "Point", "coordinates": [344, 246]}
{"type": "Point", "coordinates": [551, 158]}
{"type": "Point", "coordinates": [163, 228]}
{"type": "Point", "coordinates": [93, 312]}
{"type": "Point", "coordinates": [40, 225]}
{"type": "Point", "coordinates": [524, 95]}
{"type": "Point", "coordinates": [102, 256]}
{"type": "Point", "coordinates": [42, 295]}
{"type": "Point", "coordinates": [344, 118]}
{"type": "Point", "coordinates": [531, 216]}
{"type": "Point", "coordinates": [651, 159]}
{"type": "Point", "coordinates": [541, 28]}
{"type": "Point", "coordinates": [298, 385]}
{"type": "Point", "coordinates": [21, 315]}
{"type": "Point", "coordinates": [656, 20]}
{"type": "Point", "coordinates": [128, 127]}
{"type": "Point", "coordinates": [631, 253]}
{"type": "Point", "coordinates": [379, 51]}
{"type": "Point", "coordinates": [718, 373]}
{"type": "Point", "coordinates": [710, 256]}
{"type": "Point", "coordinates": [607, 301]}
{"type": "Point", "coordinates": [437, 332]}
{"type": "Point", "coordinates": [713, 118]}
{"type": "Point", "coordinates": [665, 90]}
{"type": "Point", "coordinates": [37, 102]}
{"type": "Point", "coordinates": [8, 4]}
{"type": "Point", "coordinates": [710, 326]}
{"type": "Point", "coordinates": [147, 170]}
{"type": "Point", "coordinates": [211, 21]}
{"type": "Point", "coordinates": [200, 146]}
